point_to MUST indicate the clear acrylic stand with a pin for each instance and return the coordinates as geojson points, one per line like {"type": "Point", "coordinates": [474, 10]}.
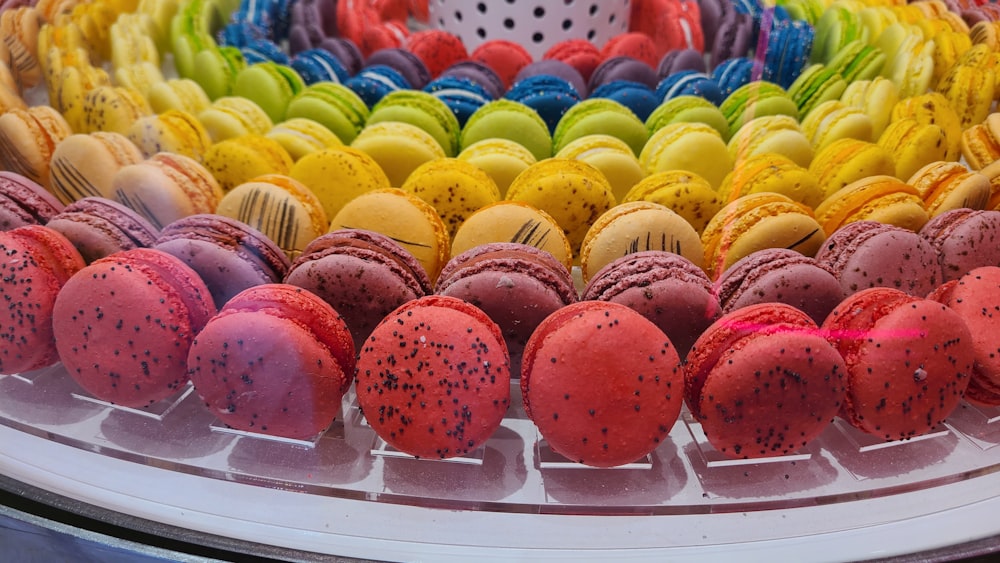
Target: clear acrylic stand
{"type": "Point", "coordinates": [547, 458]}
{"type": "Point", "coordinates": [991, 414]}
{"type": "Point", "coordinates": [335, 430]}
{"type": "Point", "coordinates": [977, 423]}
{"type": "Point", "coordinates": [383, 449]}
{"type": "Point", "coordinates": [714, 458]}
{"type": "Point", "coordinates": [156, 411]}
{"type": "Point", "coordinates": [865, 442]}
{"type": "Point", "coordinates": [31, 377]}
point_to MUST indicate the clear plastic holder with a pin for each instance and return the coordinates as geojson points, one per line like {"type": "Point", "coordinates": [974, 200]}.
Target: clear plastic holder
{"type": "Point", "coordinates": [33, 376]}
{"type": "Point", "coordinates": [977, 423]}
{"type": "Point", "coordinates": [714, 458]}
{"type": "Point", "coordinates": [156, 411]}
{"type": "Point", "coordinates": [335, 431]}
{"type": "Point", "coordinates": [865, 442]}
{"type": "Point", "coordinates": [547, 458]}
{"type": "Point", "coordinates": [383, 449]}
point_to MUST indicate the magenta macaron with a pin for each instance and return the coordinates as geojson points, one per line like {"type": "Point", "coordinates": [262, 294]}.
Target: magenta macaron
{"type": "Point", "coordinates": [965, 239]}
{"type": "Point", "coordinates": [98, 227]}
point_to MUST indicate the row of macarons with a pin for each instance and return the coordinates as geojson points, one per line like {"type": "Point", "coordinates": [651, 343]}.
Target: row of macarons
{"type": "Point", "coordinates": [494, 283]}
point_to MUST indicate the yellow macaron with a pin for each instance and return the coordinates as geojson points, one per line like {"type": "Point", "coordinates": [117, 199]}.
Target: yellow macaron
{"type": "Point", "coordinates": [339, 174]}
{"type": "Point", "coordinates": [849, 160]}
{"type": "Point", "coordinates": [502, 159]}
{"type": "Point", "coordinates": [886, 199]}
{"type": "Point", "coordinates": [172, 131]}
{"type": "Point", "coordinates": [301, 136]}
{"type": "Point", "coordinates": [609, 154]}
{"type": "Point", "coordinates": [399, 148]}
{"type": "Point", "coordinates": [455, 188]}
{"type": "Point", "coordinates": [237, 160]}
{"type": "Point", "coordinates": [694, 147]}
{"type": "Point", "coordinates": [914, 144]}
{"type": "Point", "coordinates": [947, 185]}
{"type": "Point", "coordinates": [686, 193]}
{"type": "Point", "coordinates": [772, 172]}
{"type": "Point", "coordinates": [513, 221]}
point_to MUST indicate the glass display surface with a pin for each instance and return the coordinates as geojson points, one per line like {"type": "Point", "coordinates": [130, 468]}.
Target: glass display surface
{"type": "Point", "coordinates": [515, 471]}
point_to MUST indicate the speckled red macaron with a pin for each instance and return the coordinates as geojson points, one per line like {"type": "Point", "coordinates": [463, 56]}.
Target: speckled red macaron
{"type": "Point", "coordinates": [591, 402]}
{"type": "Point", "coordinates": [35, 262]}
{"type": "Point", "coordinates": [506, 58]}
{"type": "Point", "coordinates": [909, 361]}
{"type": "Point", "coordinates": [437, 48]}
{"type": "Point", "coordinates": [763, 381]}
{"type": "Point", "coordinates": [123, 325]}
{"type": "Point", "coordinates": [580, 54]}
{"type": "Point", "coordinates": [433, 378]}
{"type": "Point", "coordinates": [276, 360]}
{"type": "Point", "coordinates": [637, 45]}
{"type": "Point", "coordinates": [976, 298]}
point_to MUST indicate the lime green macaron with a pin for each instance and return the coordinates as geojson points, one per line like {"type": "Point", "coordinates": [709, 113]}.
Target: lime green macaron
{"type": "Point", "coordinates": [818, 83]}
{"type": "Point", "coordinates": [423, 110]}
{"type": "Point", "coordinates": [600, 115]}
{"type": "Point", "coordinates": [507, 119]}
{"type": "Point", "coordinates": [398, 148]}
{"type": "Point", "coordinates": [756, 99]}
{"type": "Point", "coordinates": [688, 109]}
{"type": "Point", "coordinates": [271, 85]}
{"type": "Point", "coordinates": [334, 105]}
{"type": "Point", "coordinates": [215, 70]}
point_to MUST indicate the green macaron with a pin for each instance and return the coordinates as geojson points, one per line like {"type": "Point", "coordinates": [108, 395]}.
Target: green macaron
{"type": "Point", "coordinates": [424, 110]}
{"type": "Point", "coordinates": [333, 105]}
{"type": "Point", "coordinates": [511, 120]}
{"type": "Point", "coordinates": [271, 85]}
{"type": "Point", "coordinates": [817, 84]}
{"type": "Point", "coordinates": [600, 115]}
{"type": "Point", "coordinates": [756, 99]}
{"type": "Point", "coordinates": [688, 109]}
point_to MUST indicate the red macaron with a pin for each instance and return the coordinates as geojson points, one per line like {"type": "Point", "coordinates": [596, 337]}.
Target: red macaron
{"type": "Point", "coordinates": [592, 403]}
{"type": "Point", "coordinates": [506, 58]}
{"type": "Point", "coordinates": [763, 381]}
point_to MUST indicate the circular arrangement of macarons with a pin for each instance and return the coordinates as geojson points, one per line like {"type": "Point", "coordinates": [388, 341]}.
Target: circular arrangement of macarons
{"type": "Point", "coordinates": [744, 211]}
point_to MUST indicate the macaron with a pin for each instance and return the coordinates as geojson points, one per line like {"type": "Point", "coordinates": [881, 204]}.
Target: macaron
{"type": "Point", "coordinates": [437, 48]}
{"type": "Point", "coordinates": [779, 275]}
{"type": "Point", "coordinates": [422, 110]}
{"type": "Point", "coordinates": [755, 99]}
{"type": "Point", "coordinates": [463, 96]}
{"type": "Point", "coordinates": [276, 360]}
{"type": "Point", "coordinates": [845, 161]}
{"type": "Point", "coordinates": [319, 65]}
{"type": "Point", "coordinates": [461, 395]}
{"type": "Point", "coordinates": [151, 307]}
{"type": "Point", "coordinates": [511, 120]}
{"type": "Point", "coordinates": [886, 199]}
{"type": "Point", "coordinates": [231, 116]}
{"type": "Point", "coordinates": [112, 109]}
{"type": "Point", "coordinates": [591, 404]}
{"type": "Point", "coordinates": [403, 217]}
{"type": "Point", "coordinates": [622, 67]}
{"type": "Point", "coordinates": [686, 193]}
{"type": "Point", "coordinates": [363, 275]}
{"type": "Point", "coordinates": [574, 193]}
{"type": "Point", "coordinates": [913, 144]}
{"type": "Point", "coordinates": [604, 116]}
{"type": "Point", "coordinates": [237, 160]}
{"type": "Point", "coordinates": [965, 239]}
{"type": "Point", "coordinates": [867, 254]}
{"type": "Point", "coordinates": [182, 94]}
{"type": "Point", "coordinates": [339, 174]}
{"type": "Point", "coordinates": [612, 156]}
{"type": "Point", "coordinates": [173, 131]}
{"type": "Point", "coordinates": [85, 164]}
{"type": "Point", "coordinates": [579, 53]}
{"type": "Point", "coordinates": [375, 82]}
{"type": "Point", "coordinates": [39, 261]}
{"type": "Point", "coordinates": [501, 159]}
{"type": "Point", "coordinates": [876, 97]}
{"type": "Point", "coordinates": [980, 144]}
{"type": "Point", "coordinates": [558, 69]}
{"type": "Point", "coordinates": [24, 202]}
{"type": "Point", "coordinates": [166, 187]}
{"type": "Point", "coordinates": [229, 255]}
{"type": "Point", "coordinates": [506, 58]}
{"type": "Point", "coordinates": [334, 106]}
{"type": "Point", "coordinates": [300, 136]}
{"type": "Point", "coordinates": [639, 46]}
{"type": "Point", "coordinates": [771, 172]}
{"type": "Point", "coordinates": [932, 108]}
{"type": "Point", "coordinates": [972, 296]}
{"type": "Point", "coordinates": [279, 206]}
{"type": "Point", "coordinates": [946, 185]}
{"type": "Point", "coordinates": [28, 138]}
{"type": "Point", "coordinates": [889, 398]}
{"type": "Point", "coordinates": [98, 227]}
{"type": "Point", "coordinates": [693, 147]}
{"type": "Point", "coordinates": [405, 62]}
{"type": "Point", "coordinates": [833, 120]}
{"type": "Point", "coordinates": [687, 109]}
{"type": "Point", "coordinates": [755, 222]}
{"type": "Point", "coordinates": [270, 85]}
{"type": "Point", "coordinates": [763, 382]}
{"type": "Point", "coordinates": [516, 285]}
{"type": "Point", "coordinates": [455, 188]}
{"type": "Point", "coordinates": [215, 68]}
{"type": "Point", "coordinates": [480, 74]}
{"type": "Point", "coordinates": [398, 148]}
{"type": "Point", "coordinates": [638, 98]}
{"type": "Point", "coordinates": [662, 286]}
{"type": "Point", "coordinates": [549, 96]}
{"type": "Point", "coordinates": [514, 222]}
{"type": "Point", "coordinates": [636, 227]}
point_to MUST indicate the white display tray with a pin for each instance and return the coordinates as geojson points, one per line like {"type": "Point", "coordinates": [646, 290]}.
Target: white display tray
{"type": "Point", "coordinates": [344, 494]}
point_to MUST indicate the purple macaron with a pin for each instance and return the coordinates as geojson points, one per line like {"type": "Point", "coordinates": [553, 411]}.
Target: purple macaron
{"type": "Point", "coordinates": [965, 239]}
{"type": "Point", "coordinates": [98, 227]}
{"type": "Point", "coordinates": [732, 38]}
{"type": "Point", "coordinates": [623, 68]}
{"type": "Point", "coordinates": [867, 254]}
{"type": "Point", "coordinates": [681, 59]}
{"type": "Point", "coordinates": [404, 62]}
{"type": "Point", "coordinates": [480, 74]}
{"type": "Point", "coordinates": [363, 275]}
{"type": "Point", "coordinates": [779, 275]}
{"type": "Point", "coordinates": [227, 254]}
{"type": "Point", "coordinates": [515, 284]}
{"type": "Point", "coordinates": [559, 69]}
{"type": "Point", "coordinates": [24, 202]}
{"type": "Point", "coordinates": [666, 288]}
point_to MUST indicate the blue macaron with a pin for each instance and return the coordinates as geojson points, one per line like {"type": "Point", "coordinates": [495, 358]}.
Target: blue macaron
{"type": "Point", "coordinates": [375, 82]}
{"type": "Point", "coordinates": [690, 83]}
{"type": "Point", "coordinates": [732, 74]}
{"type": "Point", "coordinates": [548, 95]}
{"type": "Point", "coordinates": [262, 50]}
{"type": "Point", "coordinates": [239, 34]}
{"type": "Point", "coordinates": [318, 65]}
{"type": "Point", "coordinates": [789, 47]}
{"type": "Point", "coordinates": [639, 98]}
{"type": "Point", "coordinates": [463, 96]}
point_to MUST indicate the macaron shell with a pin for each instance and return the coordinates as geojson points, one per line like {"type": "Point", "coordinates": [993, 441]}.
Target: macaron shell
{"type": "Point", "coordinates": [885, 199]}
{"type": "Point", "coordinates": [235, 161]}
{"type": "Point", "coordinates": [507, 119]}
{"type": "Point", "coordinates": [24, 202]}
{"type": "Point", "coordinates": [635, 227]}
{"type": "Point", "coordinates": [513, 221]}
{"type": "Point", "coordinates": [403, 217]}
{"type": "Point", "coordinates": [502, 159]}
{"type": "Point", "coordinates": [151, 308]}
{"type": "Point", "coordinates": [337, 175]}
{"type": "Point", "coordinates": [85, 164]}
{"type": "Point", "coordinates": [166, 187]}
{"type": "Point", "coordinates": [619, 408]}
{"type": "Point", "coordinates": [398, 148]}
{"type": "Point", "coordinates": [460, 399]}
{"type": "Point", "coordinates": [455, 188]}
{"type": "Point", "coordinates": [612, 157]}
{"type": "Point", "coordinates": [895, 399]}
{"type": "Point", "coordinates": [98, 227]}
{"type": "Point", "coordinates": [38, 262]}
{"type": "Point", "coordinates": [28, 138]}
{"type": "Point", "coordinates": [686, 193]}
{"type": "Point", "coordinates": [965, 239]}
